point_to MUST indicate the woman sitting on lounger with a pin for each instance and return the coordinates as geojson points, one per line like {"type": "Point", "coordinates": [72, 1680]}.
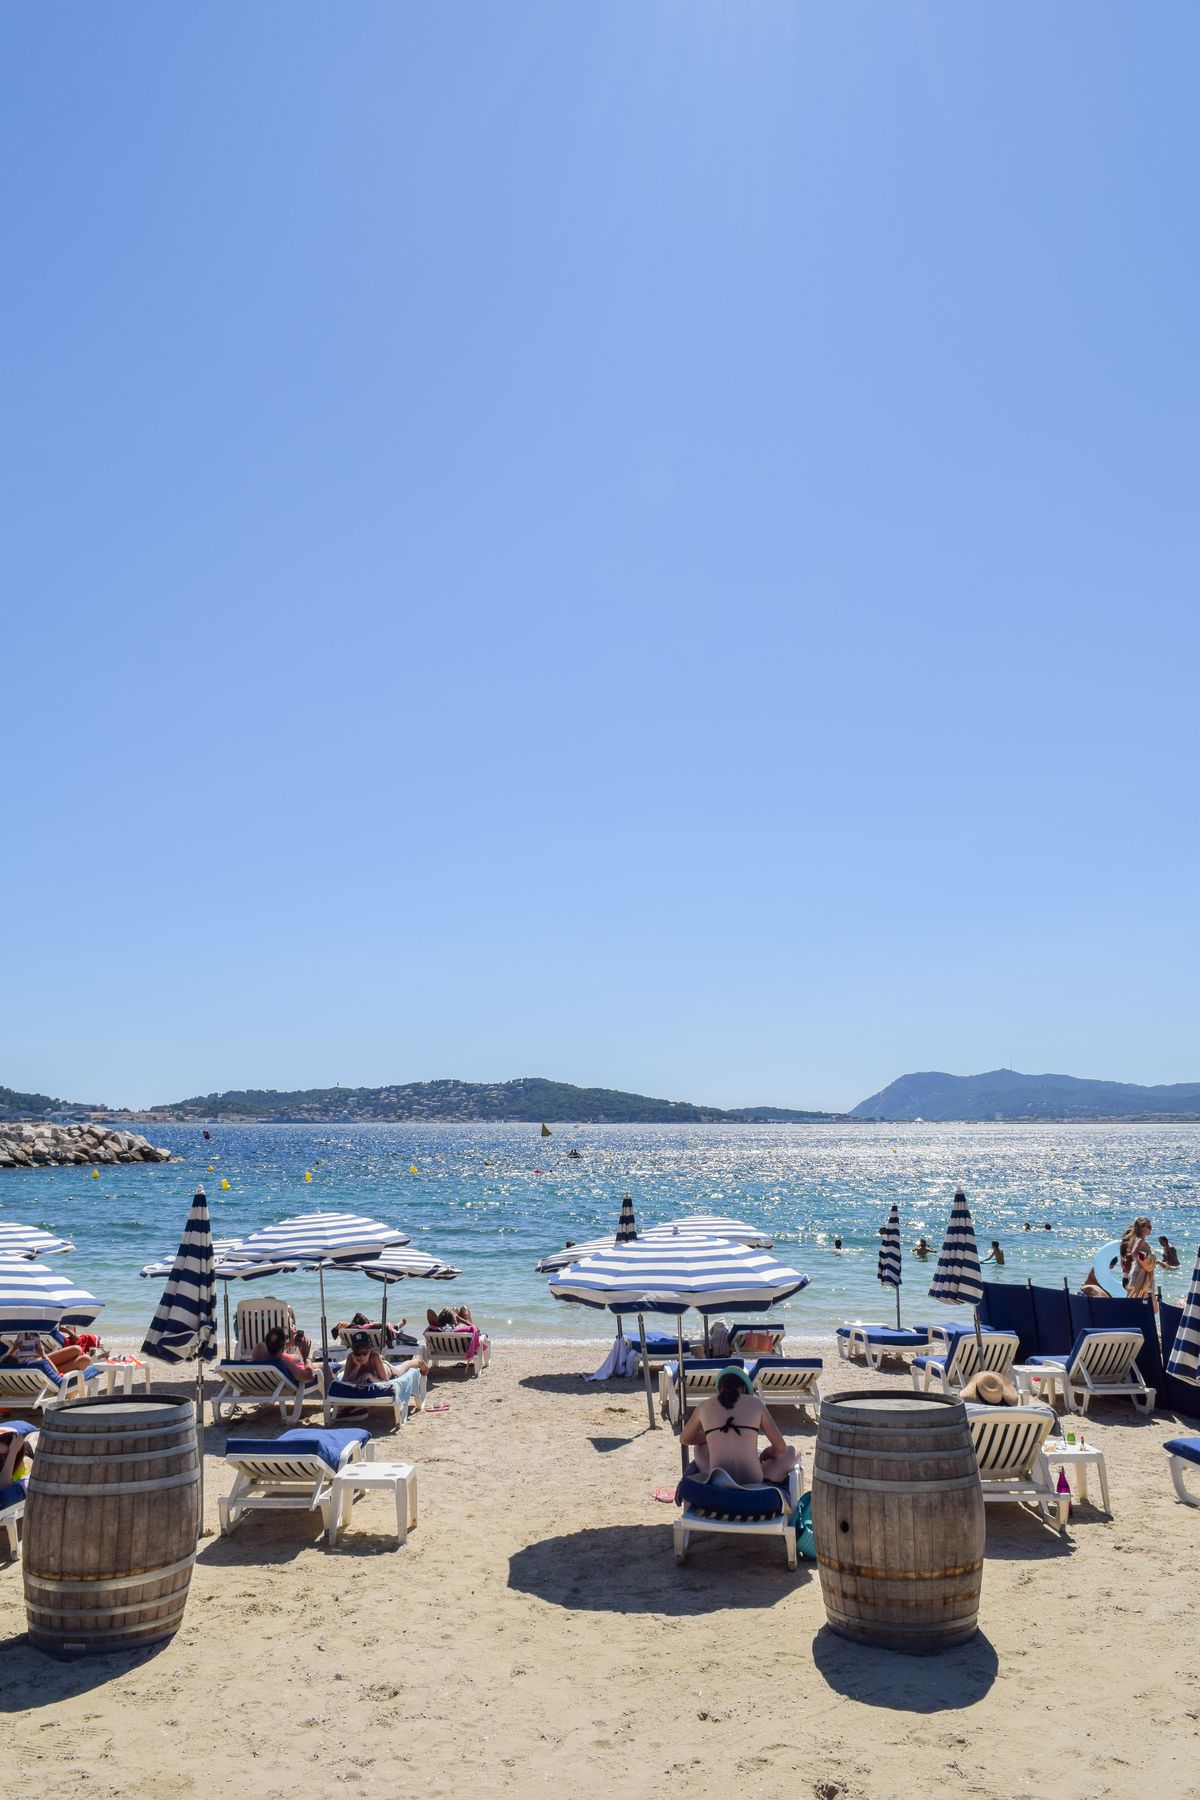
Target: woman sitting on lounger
{"type": "Point", "coordinates": [364, 1365]}
{"type": "Point", "coordinates": [725, 1432]}
{"type": "Point", "coordinates": [274, 1348]}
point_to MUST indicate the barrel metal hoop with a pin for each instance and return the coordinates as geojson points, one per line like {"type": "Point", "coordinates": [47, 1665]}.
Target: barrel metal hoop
{"type": "Point", "coordinates": [157, 1628]}
{"type": "Point", "coordinates": [91, 1583]}
{"type": "Point", "coordinates": [60, 1615]}
{"type": "Point", "coordinates": [184, 1432]}
{"type": "Point", "coordinates": [120, 1456]}
{"type": "Point", "coordinates": [826, 1449]}
{"type": "Point", "coordinates": [865, 1569]}
{"type": "Point", "coordinates": [953, 1484]}
{"type": "Point", "coordinates": [158, 1485]}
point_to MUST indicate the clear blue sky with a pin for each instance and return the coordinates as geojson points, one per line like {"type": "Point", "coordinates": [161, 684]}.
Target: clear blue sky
{"type": "Point", "coordinates": [649, 543]}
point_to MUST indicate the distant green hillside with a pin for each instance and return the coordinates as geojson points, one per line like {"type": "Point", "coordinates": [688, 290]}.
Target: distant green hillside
{"type": "Point", "coordinates": [1007, 1094]}
{"type": "Point", "coordinates": [14, 1105]}
{"type": "Point", "coordinates": [531, 1099]}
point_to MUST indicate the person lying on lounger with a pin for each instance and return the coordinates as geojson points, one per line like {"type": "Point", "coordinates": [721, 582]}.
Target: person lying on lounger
{"type": "Point", "coordinates": [725, 1430]}
{"type": "Point", "coordinates": [28, 1348]}
{"type": "Point", "coordinates": [274, 1348]}
{"type": "Point", "coordinates": [360, 1322]}
{"type": "Point", "coordinates": [451, 1318]}
{"type": "Point", "coordinates": [364, 1365]}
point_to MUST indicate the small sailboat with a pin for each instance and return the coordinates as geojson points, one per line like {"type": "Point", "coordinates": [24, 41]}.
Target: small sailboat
{"type": "Point", "coordinates": [546, 1131]}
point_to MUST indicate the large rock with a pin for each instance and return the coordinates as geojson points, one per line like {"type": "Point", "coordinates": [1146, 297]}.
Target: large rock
{"type": "Point", "coordinates": [42, 1145]}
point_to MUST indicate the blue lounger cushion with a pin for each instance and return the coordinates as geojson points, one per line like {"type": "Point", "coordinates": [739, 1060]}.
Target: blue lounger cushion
{"type": "Point", "coordinates": [11, 1494]}
{"type": "Point", "coordinates": [887, 1334]}
{"type": "Point", "coordinates": [372, 1390]}
{"type": "Point", "coordinates": [715, 1362]}
{"type": "Point", "coordinates": [783, 1362]}
{"type": "Point", "coordinates": [1066, 1356]}
{"type": "Point", "coordinates": [328, 1445]}
{"type": "Point", "coordinates": [48, 1368]}
{"type": "Point", "coordinates": [1186, 1447]}
{"type": "Point", "coordinates": [726, 1498]}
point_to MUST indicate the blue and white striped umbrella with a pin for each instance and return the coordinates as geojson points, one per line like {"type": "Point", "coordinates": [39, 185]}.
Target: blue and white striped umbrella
{"type": "Point", "coordinates": [31, 1240]}
{"type": "Point", "coordinates": [681, 1232]}
{"type": "Point", "coordinates": [185, 1325]}
{"type": "Point", "coordinates": [227, 1264]}
{"type": "Point", "coordinates": [673, 1273]}
{"type": "Point", "coordinates": [736, 1231]}
{"type": "Point", "coordinates": [400, 1264]}
{"type": "Point", "coordinates": [889, 1250]}
{"type": "Point", "coordinates": [1184, 1359]}
{"type": "Point", "coordinates": [626, 1223]}
{"type": "Point", "coordinates": [35, 1298]}
{"type": "Point", "coordinates": [320, 1237]}
{"type": "Point", "coordinates": [958, 1277]}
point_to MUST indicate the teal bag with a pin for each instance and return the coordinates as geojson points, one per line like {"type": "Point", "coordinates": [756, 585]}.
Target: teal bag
{"type": "Point", "coordinates": [802, 1520]}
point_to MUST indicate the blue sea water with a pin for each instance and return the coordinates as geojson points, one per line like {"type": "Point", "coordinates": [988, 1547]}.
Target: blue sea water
{"type": "Point", "coordinates": [494, 1198]}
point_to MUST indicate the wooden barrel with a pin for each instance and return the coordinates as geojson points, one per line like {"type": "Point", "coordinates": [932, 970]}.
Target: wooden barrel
{"type": "Point", "coordinates": [897, 1515]}
{"type": "Point", "coordinates": [112, 1520]}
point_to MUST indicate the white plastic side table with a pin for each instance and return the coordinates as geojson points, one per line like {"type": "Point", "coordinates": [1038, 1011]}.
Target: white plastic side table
{"type": "Point", "coordinates": [1054, 1450]}
{"type": "Point", "coordinates": [356, 1477]}
{"type": "Point", "coordinates": [119, 1377]}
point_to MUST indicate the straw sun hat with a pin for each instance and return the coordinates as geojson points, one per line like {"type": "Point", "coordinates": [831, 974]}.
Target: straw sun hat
{"type": "Point", "coordinates": [988, 1389]}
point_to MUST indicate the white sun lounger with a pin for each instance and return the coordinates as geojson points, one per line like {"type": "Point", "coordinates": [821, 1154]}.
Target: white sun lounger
{"type": "Point", "coordinates": [782, 1381]}
{"type": "Point", "coordinates": [451, 1350]}
{"type": "Point", "coordinates": [950, 1373]}
{"type": "Point", "coordinates": [1183, 1452]}
{"type": "Point", "coordinates": [739, 1333]}
{"type": "Point", "coordinates": [253, 1319]}
{"type": "Point", "coordinates": [293, 1472]}
{"type": "Point", "coordinates": [1098, 1363]}
{"type": "Point", "coordinates": [39, 1385]}
{"type": "Point", "coordinates": [1008, 1445]}
{"type": "Point", "coordinates": [251, 1385]}
{"type": "Point", "coordinates": [701, 1372]}
{"type": "Point", "coordinates": [380, 1398]}
{"type": "Point", "coordinates": [694, 1518]}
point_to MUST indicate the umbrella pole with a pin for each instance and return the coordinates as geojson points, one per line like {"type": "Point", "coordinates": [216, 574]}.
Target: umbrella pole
{"type": "Point", "coordinates": [200, 1438]}
{"type": "Point", "coordinates": [897, 1306]}
{"type": "Point", "coordinates": [324, 1325]}
{"type": "Point", "coordinates": [646, 1373]}
{"type": "Point", "coordinates": [383, 1313]}
{"type": "Point", "coordinates": [683, 1455]}
{"type": "Point", "coordinates": [978, 1334]}
{"type": "Point", "coordinates": [225, 1297]}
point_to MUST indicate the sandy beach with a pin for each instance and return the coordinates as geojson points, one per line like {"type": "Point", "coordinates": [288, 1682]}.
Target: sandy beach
{"type": "Point", "coordinates": [535, 1633]}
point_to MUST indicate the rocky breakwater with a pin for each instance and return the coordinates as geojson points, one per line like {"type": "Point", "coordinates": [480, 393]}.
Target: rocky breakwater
{"type": "Point", "coordinates": [58, 1146]}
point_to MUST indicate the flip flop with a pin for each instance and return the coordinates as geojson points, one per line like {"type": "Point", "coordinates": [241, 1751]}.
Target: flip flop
{"type": "Point", "coordinates": [666, 1495]}
{"type": "Point", "coordinates": [436, 1406]}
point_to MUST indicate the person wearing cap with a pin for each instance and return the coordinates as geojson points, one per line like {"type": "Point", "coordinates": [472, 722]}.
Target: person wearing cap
{"type": "Point", "coordinates": [365, 1366]}
{"type": "Point", "coordinates": [724, 1431]}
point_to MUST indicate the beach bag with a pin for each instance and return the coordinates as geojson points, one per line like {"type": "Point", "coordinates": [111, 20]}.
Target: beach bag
{"type": "Point", "coordinates": [805, 1543]}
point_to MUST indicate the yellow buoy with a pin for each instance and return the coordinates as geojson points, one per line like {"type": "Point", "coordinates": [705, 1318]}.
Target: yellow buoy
{"type": "Point", "coordinates": [412, 1168]}
{"type": "Point", "coordinates": [225, 1183]}
{"type": "Point", "coordinates": [308, 1174]}
{"type": "Point", "coordinates": [210, 1168]}
{"type": "Point", "coordinates": [95, 1174]}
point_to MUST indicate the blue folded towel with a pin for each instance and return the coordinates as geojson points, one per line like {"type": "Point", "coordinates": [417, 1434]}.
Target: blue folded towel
{"type": "Point", "coordinates": [719, 1493]}
{"type": "Point", "coordinates": [9, 1495]}
{"type": "Point", "coordinates": [328, 1445]}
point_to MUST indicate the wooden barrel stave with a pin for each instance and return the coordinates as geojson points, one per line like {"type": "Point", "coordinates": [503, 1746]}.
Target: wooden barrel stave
{"type": "Point", "coordinates": [898, 1520]}
{"type": "Point", "coordinates": [111, 1524]}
